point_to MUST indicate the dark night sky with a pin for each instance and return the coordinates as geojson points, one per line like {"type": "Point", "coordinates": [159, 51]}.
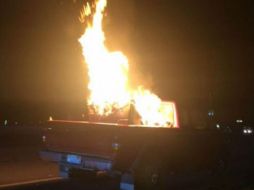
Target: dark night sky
{"type": "Point", "coordinates": [199, 53]}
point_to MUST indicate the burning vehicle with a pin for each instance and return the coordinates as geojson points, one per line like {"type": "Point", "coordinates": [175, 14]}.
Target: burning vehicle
{"type": "Point", "coordinates": [130, 132]}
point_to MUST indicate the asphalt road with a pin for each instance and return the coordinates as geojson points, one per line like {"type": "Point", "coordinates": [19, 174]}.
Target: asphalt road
{"type": "Point", "coordinates": [65, 184]}
{"type": "Point", "coordinates": [23, 171]}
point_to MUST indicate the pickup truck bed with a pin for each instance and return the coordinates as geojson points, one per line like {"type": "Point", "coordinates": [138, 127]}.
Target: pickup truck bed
{"type": "Point", "coordinates": [144, 155]}
{"type": "Point", "coordinates": [126, 145]}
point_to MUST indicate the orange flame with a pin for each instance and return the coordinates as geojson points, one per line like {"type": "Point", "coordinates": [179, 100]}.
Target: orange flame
{"type": "Point", "coordinates": [108, 77]}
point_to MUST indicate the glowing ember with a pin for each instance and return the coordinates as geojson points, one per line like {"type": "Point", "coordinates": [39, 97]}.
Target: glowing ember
{"type": "Point", "coordinates": [108, 77]}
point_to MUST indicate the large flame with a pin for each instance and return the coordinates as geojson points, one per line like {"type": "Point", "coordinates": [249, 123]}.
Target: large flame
{"type": "Point", "coordinates": [108, 71]}
{"type": "Point", "coordinates": [108, 76]}
{"type": "Point", "coordinates": [153, 111]}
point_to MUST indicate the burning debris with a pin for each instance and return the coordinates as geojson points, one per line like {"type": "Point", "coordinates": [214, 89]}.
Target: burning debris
{"type": "Point", "coordinates": [108, 77]}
